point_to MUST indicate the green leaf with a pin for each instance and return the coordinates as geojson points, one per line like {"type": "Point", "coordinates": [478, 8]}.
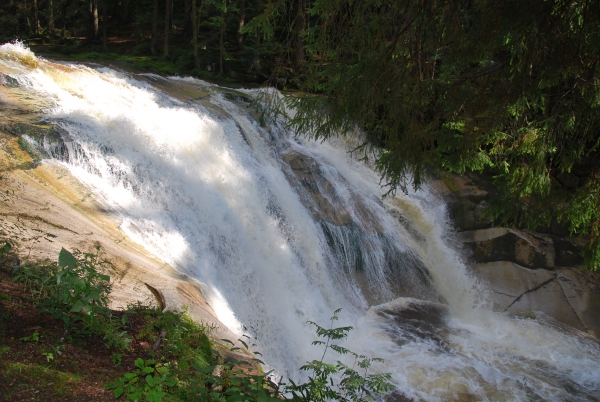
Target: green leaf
{"type": "Point", "coordinates": [119, 391]}
{"type": "Point", "coordinates": [77, 307]}
{"type": "Point", "coordinates": [147, 370]}
{"type": "Point", "coordinates": [129, 376]}
{"type": "Point", "coordinates": [66, 259]}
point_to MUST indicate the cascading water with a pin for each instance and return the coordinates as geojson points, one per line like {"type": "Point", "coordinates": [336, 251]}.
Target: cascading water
{"type": "Point", "coordinates": [281, 230]}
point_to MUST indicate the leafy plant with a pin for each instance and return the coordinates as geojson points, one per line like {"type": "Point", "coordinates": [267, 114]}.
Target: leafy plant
{"type": "Point", "coordinates": [339, 381]}
{"type": "Point", "coordinates": [146, 381]}
{"type": "Point", "coordinates": [55, 352]}
{"type": "Point", "coordinates": [35, 337]}
{"type": "Point", "coordinates": [49, 356]}
{"type": "Point", "coordinates": [117, 358]}
{"type": "Point", "coordinates": [75, 292]}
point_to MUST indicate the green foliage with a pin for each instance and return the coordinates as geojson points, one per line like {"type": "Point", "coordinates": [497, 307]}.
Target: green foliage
{"type": "Point", "coordinates": [35, 337]}
{"type": "Point", "coordinates": [229, 381]}
{"type": "Point", "coordinates": [75, 292]}
{"type": "Point", "coordinates": [30, 375]}
{"type": "Point", "coordinates": [185, 341]}
{"type": "Point", "coordinates": [117, 358]}
{"type": "Point", "coordinates": [226, 378]}
{"type": "Point", "coordinates": [339, 381]}
{"type": "Point", "coordinates": [146, 381]}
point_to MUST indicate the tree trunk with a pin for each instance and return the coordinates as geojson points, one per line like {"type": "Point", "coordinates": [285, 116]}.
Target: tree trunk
{"type": "Point", "coordinates": [117, 9]}
{"type": "Point", "coordinates": [64, 18]}
{"type": "Point", "coordinates": [242, 21]}
{"type": "Point", "coordinates": [90, 22]}
{"type": "Point", "coordinates": [125, 11]}
{"type": "Point", "coordinates": [50, 17]}
{"type": "Point", "coordinates": [36, 21]}
{"type": "Point", "coordinates": [195, 34]}
{"type": "Point", "coordinates": [95, 19]}
{"type": "Point", "coordinates": [256, 58]}
{"type": "Point", "coordinates": [221, 44]}
{"type": "Point", "coordinates": [300, 25]}
{"type": "Point", "coordinates": [187, 22]}
{"type": "Point", "coordinates": [104, 27]}
{"type": "Point", "coordinates": [154, 27]}
{"type": "Point", "coordinates": [168, 6]}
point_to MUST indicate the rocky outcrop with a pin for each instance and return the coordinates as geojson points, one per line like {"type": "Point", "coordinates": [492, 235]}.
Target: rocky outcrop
{"type": "Point", "coordinates": [525, 271]}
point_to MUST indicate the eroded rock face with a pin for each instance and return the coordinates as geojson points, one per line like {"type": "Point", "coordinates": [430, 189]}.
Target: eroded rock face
{"type": "Point", "coordinates": [582, 291]}
{"type": "Point", "coordinates": [517, 289]}
{"type": "Point", "coordinates": [525, 271]}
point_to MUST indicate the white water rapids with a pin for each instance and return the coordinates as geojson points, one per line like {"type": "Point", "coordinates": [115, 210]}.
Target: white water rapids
{"type": "Point", "coordinates": [197, 181]}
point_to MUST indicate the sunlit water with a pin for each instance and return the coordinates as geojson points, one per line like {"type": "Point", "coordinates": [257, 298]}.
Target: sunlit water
{"type": "Point", "coordinates": [195, 179]}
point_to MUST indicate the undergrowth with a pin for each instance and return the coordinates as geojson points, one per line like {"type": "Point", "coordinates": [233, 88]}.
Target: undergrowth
{"type": "Point", "coordinates": [180, 362]}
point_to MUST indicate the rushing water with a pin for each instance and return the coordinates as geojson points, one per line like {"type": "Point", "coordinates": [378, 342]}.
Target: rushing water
{"type": "Point", "coordinates": [281, 230]}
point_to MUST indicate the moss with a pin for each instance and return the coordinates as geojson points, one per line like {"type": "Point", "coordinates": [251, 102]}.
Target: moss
{"type": "Point", "coordinates": [20, 377]}
{"type": "Point", "coordinates": [28, 149]}
{"type": "Point", "coordinates": [450, 184]}
{"type": "Point", "coordinates": [4, 350]}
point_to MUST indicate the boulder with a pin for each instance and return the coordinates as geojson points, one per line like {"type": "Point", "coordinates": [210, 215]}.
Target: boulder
{"type": "Point", "coordinates": [582, 291]}
{"type": "Point", "coordinates": [568, 251]}
{"type": "Point", "coordinates": [568, 180]}
{"type": "Point", "coordinates": [508, 281]}
{"type": "Point", "coordinates": [550, 299]}
{"type": "Point", "coordinates": [502, 244]}
{"type": "Point", "coordinates": [570, 296]}
{"type": "Point", "coordinates": [466, 215]}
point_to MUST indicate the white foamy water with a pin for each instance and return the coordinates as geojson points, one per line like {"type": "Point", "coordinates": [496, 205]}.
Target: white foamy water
{"type": "Point", "coordinates": [282, 230]}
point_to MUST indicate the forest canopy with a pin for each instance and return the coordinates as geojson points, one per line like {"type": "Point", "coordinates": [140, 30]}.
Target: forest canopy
{"type": "Point", "coordinates": [509, 88]}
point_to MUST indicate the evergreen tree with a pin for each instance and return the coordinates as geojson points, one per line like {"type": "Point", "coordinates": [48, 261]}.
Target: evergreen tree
{"type": "Point", "coordinates": [508, 86]}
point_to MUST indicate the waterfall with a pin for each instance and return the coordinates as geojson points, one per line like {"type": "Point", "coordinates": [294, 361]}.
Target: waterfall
{"type": "Point", "coordinates": [281, 230]}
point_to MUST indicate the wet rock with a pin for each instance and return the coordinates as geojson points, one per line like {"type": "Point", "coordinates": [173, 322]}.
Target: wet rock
{"type": "Point", "coordinates": [415, 320]}
{"type": "Point", "coordinates": [582, 291]}
{"type": "Point", "coordinates": [508, 281]}
{"type": "Point", "coordinates": [502, 244]}
{"type": "Point", "coordinates": [397, 396]}
{"type": "Point", "coordinates": [524, 271]}
{"type": "Point", "coordinates": [322, 199]}
{"type": "Point", "coordinates": [568, 252]}
{"type": "Point", "coordinates": [570, 296]}
{"type": "Point", "coordinates": [466, 215]}
{"type": "Point", "coordinates": [549, 299]}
